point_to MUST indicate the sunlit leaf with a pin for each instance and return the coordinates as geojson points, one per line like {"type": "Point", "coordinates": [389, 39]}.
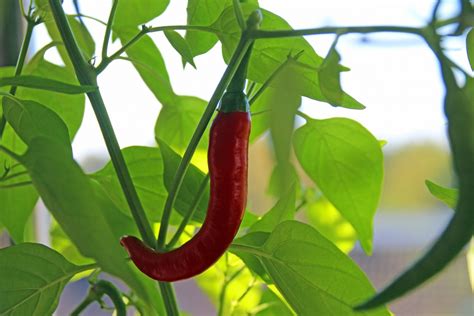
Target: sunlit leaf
{"type": "Point", "coordinates": [136, 12]}
{"type": "Point", "coordinates": [346, 162]}
{"type": "Point", "coordinates": [313, 275]}
{"type": "Point", "coordinates": [470, 47]}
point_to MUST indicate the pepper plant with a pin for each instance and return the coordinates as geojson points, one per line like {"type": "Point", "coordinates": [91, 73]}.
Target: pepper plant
{"type": "Point", "coordinates": [277, 264]}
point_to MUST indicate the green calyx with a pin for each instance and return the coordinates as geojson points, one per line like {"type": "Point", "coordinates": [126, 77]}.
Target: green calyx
{"type": "Point", "coordinates": [234, 101]}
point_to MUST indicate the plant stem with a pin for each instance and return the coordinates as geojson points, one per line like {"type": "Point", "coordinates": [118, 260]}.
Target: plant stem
{"type": "Point", "coordinates": [169, 298]}
{"type": "Point", "coordinates": [145, 30]}
{"type": "Point", "coordinates": [108, 29]}
{"type": "Point", "coordinates": [89, 299]}
{"type": "Point", "coordinates": [190, 213]}
{"type": "Point", "coordinates": [87, 75]}
{"type": "Point", "coordinates": [336, 30]}
{"type": "Point", "coordinates": [19, 64]}
{"type": "Point", "coordinates": [234, 62]}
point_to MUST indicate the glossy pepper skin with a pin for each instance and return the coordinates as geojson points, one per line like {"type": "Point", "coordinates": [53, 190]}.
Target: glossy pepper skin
{"type": "Point", "coordinates": [228, 160]}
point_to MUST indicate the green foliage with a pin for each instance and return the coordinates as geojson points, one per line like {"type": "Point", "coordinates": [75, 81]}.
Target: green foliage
{"type": "Point", "coordinates": [33, 277]}
{"type": "Point", "coordinates": [281, 266]}
{"type": "Point", "coordinates": [313, 275]}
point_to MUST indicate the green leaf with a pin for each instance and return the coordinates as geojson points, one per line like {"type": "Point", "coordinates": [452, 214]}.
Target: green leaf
{"type": "Point", "coordinates": [83, 38]}
{"type": "Point", "coordinates": [313, 275]}
{"type": "Point", "coordinates": [33, 120]}
{"type": "Point", "coordinates": [33, 277]}
{"type": "Point", "coordinates": [323, 216]}
{"type": "Point", "coordinates": [177, 121]}
{"type": "Point", "coordinates": [205, 13]}
{"type": "Point", "coordinates": [36, 82]}
{"type": "Point", "coordinates": [181, 46]}
{"type": "Point", "coordinates": [329, 77]}
{"type": "Point", "coordinates": [136, 12]}
{"type": "Point", "coordinates": [346, 162]}
{"type": "Point", "coordinates": [149, 63]}
{"type": "Point", "coordinates": [447, 195]}
{"type": "Point", "coordinates": [269, 54]}
{"type": "Point", "coordinates": [191, 183]}
{"type": "Point", "coordinates": [283, 210]}
{"type": "Point", "coordinates": [283, 177]}
{"type": "Point", "coordinates": [146, 169]}
{"type": "Point", "coordinates": [470, 47]}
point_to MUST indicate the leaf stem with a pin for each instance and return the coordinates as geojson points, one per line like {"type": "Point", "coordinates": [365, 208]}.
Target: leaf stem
{"type": "Point", "coordinates": [234, 62]}
{"type": "Point", "coordinates": [108, 29]}
{"type": "Point", "coordinates": [19, 64]}
{"type": "Point", "coordinates": [190, 213]}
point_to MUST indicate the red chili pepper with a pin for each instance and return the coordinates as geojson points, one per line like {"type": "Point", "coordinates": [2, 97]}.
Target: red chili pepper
{"type": "Point", "coordinates": [227, 159]}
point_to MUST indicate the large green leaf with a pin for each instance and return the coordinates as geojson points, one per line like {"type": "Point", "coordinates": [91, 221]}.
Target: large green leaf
{"type": "Point", "coordinates": [269, 54]}
{"type": "Point", "coordinates": [33, 277]}
{"type": "Point", "coordinates": [177, 121]}
{"type": "Point", "coordinates": [146, 169]}
{"type": "Point", "coordinates": [346, 162]}
{"type": "Point", "coordinates": [203, 12]}
{"type": "Point", "coordinates": [313, 275]}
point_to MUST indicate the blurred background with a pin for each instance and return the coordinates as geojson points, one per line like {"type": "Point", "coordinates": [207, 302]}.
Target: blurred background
{"type": "Point", "coordinates": [394, 76]}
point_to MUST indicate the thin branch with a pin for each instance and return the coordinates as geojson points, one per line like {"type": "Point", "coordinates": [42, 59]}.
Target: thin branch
{"type": "Point", "coordinates": [304, 116]}
{"type": "Point", "coordinates": [257, 34]}
{"type": "Point", "coordinates": [108, 30]}
{"type": "Point", "coordinates": [145, 30]}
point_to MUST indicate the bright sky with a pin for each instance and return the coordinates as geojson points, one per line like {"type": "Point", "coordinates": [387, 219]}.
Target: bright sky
{"type": "Point", "coordinates": [394, 76]}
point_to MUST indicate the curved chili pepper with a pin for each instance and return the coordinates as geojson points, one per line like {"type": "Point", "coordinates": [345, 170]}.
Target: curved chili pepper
{"type": "Point", "coordinates": [459, 109]}
{"type": "Point", "coordinates": [227, 159]}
